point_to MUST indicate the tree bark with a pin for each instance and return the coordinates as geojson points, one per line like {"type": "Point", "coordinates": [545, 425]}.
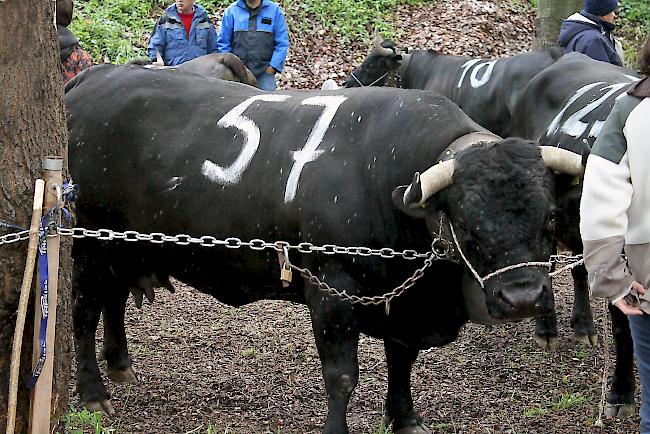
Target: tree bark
{"type": "Point", "coordinates": [550, 14]}
{"type": "Point", "coordinates": [32, 125]}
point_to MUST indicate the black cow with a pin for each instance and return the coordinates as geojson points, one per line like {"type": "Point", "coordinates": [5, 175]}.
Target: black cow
{"type": "Point", "coordinates": [564, 104]}
{"type": "Point", "coordinates": [180, 153]}
{"type": "Point", "coordinates": [485, 89]}
{"type": "Point", "coordinates": [225, 66]}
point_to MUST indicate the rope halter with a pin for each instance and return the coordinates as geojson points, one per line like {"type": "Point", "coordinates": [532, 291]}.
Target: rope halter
{"type": "Point", "coordinates": [481, 280]}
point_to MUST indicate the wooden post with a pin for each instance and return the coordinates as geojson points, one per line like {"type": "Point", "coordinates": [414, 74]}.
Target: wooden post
{"type": "Point", "coordinates": [41, 399]}
{"type": "Point", "coordinates": [28, 275]}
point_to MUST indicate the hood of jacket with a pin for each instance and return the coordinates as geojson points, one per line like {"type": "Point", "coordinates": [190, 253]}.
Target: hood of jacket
{"type": "Point", "coordinates": [580, 22]}
{"type": "Point", "coordinates": [66, 37]}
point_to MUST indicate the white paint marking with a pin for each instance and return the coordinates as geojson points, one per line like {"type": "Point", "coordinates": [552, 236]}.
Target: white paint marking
{"type": "Point", "coordinates": [235, 118]}
{"type": "Point", "coordinates": [309, 153]}
{"type": "Point", "coordinates": [466, 66]}
{"type": "Point", "coordinates": [574, 126]}
{"type": "Point", "coordinates": [555, 124]}
{"type": "Point", "coordinates": [478, 82]}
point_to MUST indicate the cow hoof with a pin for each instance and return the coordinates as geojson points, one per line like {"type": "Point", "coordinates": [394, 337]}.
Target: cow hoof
{"type": "Point", "coordinates": [549, 343]}
{"type": "Point", "coordinates": [105, 407]}
{"type": "Point", "coordinates": [590, 340]}
{"type": "Point", "coordinates": [621, 411]}
{"type": "Point", "coordinates": [126, 375]}
{"type": "Point", "coordinates": [418, 429]}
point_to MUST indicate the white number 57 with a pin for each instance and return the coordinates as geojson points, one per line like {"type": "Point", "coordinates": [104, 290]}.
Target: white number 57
{"type": "Point", "coordinates": [251, 132]}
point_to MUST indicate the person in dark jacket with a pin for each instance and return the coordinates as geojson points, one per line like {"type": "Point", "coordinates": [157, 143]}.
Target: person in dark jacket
{"type": "Point", "coordinates": [74, 59]}
{"type": "Point", "coordinates": [589, 32]}
{"type": "Point", "coordinates": [256, 32]}
{"type": "Point", "coordinates": [184, 32]}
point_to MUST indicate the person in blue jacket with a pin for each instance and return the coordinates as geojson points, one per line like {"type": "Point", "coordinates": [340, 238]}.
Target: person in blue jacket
{"type": "Point", "coordinates": [182, 33]}
{"type": "Point", "coordinates": [256, 32]}
{"type": "Point", "coordinates": [590, 31]}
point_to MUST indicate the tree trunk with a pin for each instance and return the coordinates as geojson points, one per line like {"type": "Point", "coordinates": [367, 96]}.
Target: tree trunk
{"type": "Point", "coordinates": [32, 125]}
{"type": "Point", "coordinates": [550, 14]}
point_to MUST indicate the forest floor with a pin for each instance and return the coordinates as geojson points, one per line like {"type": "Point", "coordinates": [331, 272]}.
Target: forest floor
{"type": "Point", "coordinates": [204, 367]}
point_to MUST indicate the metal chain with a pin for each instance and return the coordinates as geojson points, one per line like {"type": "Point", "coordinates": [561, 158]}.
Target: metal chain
{"type": "Point", "coordinates": [14, 237]}
{"type": "Point", "coordinates": [236, 243]}
{"type": "Point", "coordinates": [368, 300]}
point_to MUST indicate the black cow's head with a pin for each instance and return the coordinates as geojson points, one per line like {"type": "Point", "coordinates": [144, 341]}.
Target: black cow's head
{"type": "Point", "coordinates": [499, 199]}
{"type": "Point", "coordinates": [378, 67]}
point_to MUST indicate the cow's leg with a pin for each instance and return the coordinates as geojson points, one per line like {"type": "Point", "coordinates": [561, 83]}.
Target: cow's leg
{"type": "Point", "coordinates": [337, 337]}
{"type": "Point", "coordinates": [546, 331]}
{"type": "Point", "coordinates": [620, 400]}
{"type": "Point", "coordinates": [118, 361]}
{"type": "Point", "coordinates": [546, 326]}
{"type": "Point", "coordinates": [582, 321]}
{"type": "Point", "coordinates": [399, 402]}
{"type": "Point", "coordinates": [87, 298]}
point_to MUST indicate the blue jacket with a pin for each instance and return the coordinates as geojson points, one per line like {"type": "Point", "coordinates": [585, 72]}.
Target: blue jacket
{"type": "Point", "coordinates": [589, 35]}
{"type": "Point", "coordinates": [169, 37]}
{"type": "Point", "coordinates": [259, 38]}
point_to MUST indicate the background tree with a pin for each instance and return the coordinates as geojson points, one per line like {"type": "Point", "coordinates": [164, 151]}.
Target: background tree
{"type": "Point", "coordinates": [550, 14]}
{"type": "Point", "coordinates": [32, 125]}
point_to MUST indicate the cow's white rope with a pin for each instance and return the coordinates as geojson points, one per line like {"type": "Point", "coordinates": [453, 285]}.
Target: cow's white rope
{"type": "Point", "coordinates": [371, 84]}
{"type": "Point", "coordinates": [482, 280]}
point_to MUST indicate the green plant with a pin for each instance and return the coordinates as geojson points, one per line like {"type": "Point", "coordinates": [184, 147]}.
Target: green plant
{"type": "Point", "coordinates": [84, 421]}
{"type": "Point", "coordinates": [383, 429]}
{"type": "Point", "coordinates": [249, 352]}
{"type": "Point", "coordinates": [535, 411]}
{"type": "Point", "coordinates": [115, 29]}
{"type": "Point", "coordinates": [568, 401]}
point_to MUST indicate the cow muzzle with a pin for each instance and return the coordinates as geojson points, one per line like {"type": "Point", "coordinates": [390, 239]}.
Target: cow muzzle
{"type": "Point", "coordinates": [520, 293]}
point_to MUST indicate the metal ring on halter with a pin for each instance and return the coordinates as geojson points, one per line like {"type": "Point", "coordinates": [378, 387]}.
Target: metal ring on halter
{"type": "Point", "coordinates": [441, 247]}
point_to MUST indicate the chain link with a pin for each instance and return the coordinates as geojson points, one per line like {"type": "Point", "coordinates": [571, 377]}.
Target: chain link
{"type": "Point", "coordinates": [365, 300]}
{"type": "Point", "coordinates": [235, 243]}
{"type": "Point", "coordinates": [438, 252]}
{"type": "Point", "coordinates": [14, 237]}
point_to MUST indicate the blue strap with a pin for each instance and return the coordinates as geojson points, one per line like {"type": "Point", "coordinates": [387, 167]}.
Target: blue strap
{"type": "Point", "coordinates": [9, 225]}
{"type": "Point", "coordinates": [43, 277]}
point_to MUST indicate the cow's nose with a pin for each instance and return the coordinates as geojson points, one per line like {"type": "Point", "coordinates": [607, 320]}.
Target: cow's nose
{"type": "Point", "coordinates": [526, 297]}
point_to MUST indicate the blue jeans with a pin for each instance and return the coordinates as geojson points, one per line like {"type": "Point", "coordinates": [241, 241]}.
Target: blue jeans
{"type": "Point", "coordinates": [266, 81]}
{"type": "Point", "coordinates": [640, 327]}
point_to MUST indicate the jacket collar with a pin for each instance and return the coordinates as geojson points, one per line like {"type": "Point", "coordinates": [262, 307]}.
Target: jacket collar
{"type": "Point", "coordinates": [640, 89]}
{"type": "Point", "coordinates": [587, 18]}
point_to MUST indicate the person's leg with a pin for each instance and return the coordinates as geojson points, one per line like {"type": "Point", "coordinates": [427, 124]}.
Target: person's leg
{"type": "Point", "coordinates": [640, 328]}
{"type": "Point", "coordinates": [266, 81]}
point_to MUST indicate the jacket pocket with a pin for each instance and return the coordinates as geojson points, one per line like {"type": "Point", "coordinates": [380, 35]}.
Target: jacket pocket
{"type": "Point", "coordinates": [202, 39]}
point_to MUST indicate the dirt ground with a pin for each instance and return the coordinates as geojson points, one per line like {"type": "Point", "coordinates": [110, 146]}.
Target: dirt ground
{"type": "Point", "coordinates": [205, 367]}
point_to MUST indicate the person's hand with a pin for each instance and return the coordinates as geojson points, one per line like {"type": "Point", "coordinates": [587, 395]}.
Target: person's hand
{"type": "Point", "coordinates": [625, 306]}
{"type": "Point", "coordinates": [270, 70]}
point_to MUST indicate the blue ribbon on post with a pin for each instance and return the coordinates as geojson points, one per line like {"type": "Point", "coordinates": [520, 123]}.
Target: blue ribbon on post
{"type": "Point", "coordinates": [43, 278]}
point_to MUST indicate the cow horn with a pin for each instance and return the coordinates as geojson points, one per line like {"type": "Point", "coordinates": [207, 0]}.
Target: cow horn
{"type": "Point", "coordinates": [378, 49]}
{"type": "Point", "coordinates": [429, 183]}
{"type": "Point", "coordinates": [562, 160]}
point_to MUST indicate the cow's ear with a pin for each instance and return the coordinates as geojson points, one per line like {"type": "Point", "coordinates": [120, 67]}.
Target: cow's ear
{"type": "Point", "coordinates": [419, 212]}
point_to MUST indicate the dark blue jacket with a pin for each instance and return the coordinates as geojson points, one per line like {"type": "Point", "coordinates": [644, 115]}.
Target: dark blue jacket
{"type": "Point", "coordinates": [259, 38]}
{"type": "Point", "coordinates": [589, 35]}
{"type": "Point", "coordinates": [171, 40]}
